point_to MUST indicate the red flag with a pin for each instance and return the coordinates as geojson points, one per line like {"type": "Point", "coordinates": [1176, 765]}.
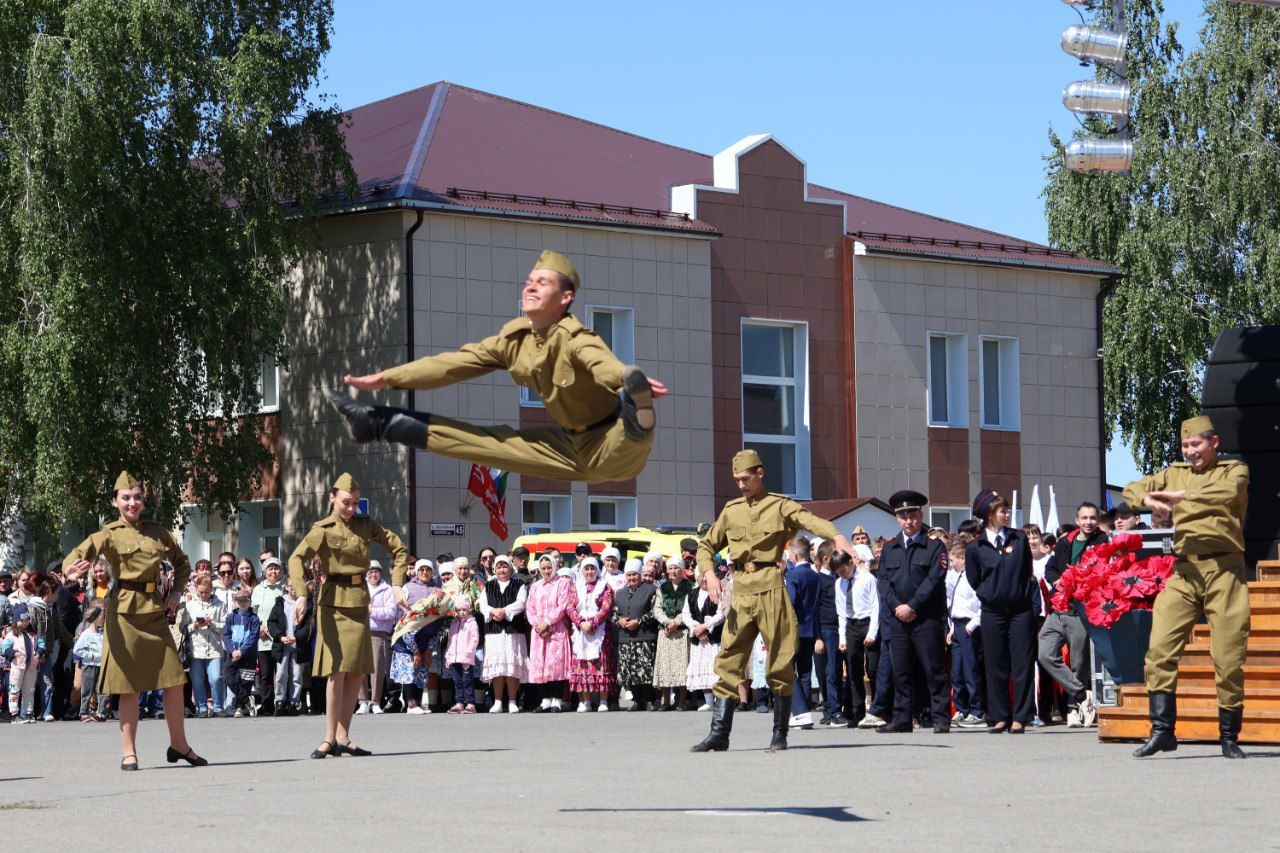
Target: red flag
{"type": "Point", "coordinates": [482, 485]}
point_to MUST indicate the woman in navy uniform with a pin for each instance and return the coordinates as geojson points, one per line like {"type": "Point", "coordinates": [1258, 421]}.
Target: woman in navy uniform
{"type": "Point", "coordinates": [998, 567]}
{"type": "Point", "coordinates": [913, 589]}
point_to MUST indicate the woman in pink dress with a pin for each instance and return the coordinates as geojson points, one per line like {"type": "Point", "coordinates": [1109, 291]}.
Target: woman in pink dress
{"type": "Point", "coordinates": [546, 608]}
{"type": "Point", "coordinates": [590, 603]}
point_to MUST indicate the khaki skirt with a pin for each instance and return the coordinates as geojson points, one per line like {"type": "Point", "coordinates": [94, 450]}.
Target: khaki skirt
{"type": "Point", "coordinates": [138, 653]}
{"type": "Point", "coordinates": [343, 641]}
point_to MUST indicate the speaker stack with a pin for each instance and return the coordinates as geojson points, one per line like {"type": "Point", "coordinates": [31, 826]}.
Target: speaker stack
{"type": "Point", "coordinates": [1242, 397]}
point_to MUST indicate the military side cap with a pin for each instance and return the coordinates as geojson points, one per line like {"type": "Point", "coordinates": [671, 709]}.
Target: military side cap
{"type": "Point", "coordinates": [126, 481]}
{"type": "Point", "coordinates": [907, 500]}
{"type": "Point", "coordinates": [557, 262]}
{"type": "Point", "coordinates": [346, 483]}
{"type": "Point", "coordinates": [1196, 426]}
{"type": "Point", "coordinates": [983, 501]}
{"type": "Point", "coordinates": [859, 529]}
{"type": "Point", "coordinates": [745, 460]}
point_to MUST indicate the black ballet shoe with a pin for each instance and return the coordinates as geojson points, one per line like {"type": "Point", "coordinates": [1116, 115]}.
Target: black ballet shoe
{"type": "Point", "coordinates": [330, 749]}
{"type": "Point", "coordinates": [173, 757]}
{"type": "Point", "coordinates": [129, 765]}
{"type": "Point", "coordinates": [348, 749]}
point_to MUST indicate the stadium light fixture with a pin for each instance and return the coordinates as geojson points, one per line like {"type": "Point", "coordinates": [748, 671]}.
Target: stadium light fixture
{"type": "Point", "coordinates": [1094, 43]}
{"type": "Point", "coordinates": [1092, 155]}
{"type": "Point", "coordinates": [1094, 96]}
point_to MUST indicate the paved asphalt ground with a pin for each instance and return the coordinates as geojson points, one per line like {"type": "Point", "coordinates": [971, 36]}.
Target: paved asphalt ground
{"type": "Point", "coordinates": [626, 781]}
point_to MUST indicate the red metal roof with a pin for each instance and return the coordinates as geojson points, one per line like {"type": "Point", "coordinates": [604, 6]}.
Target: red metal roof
{"type": "Point", "coordinates": [421, 144]}
{"type": "Point", "coordinates": [835, 507]}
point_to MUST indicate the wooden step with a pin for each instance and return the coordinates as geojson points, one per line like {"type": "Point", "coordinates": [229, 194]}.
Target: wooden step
{"type": "Point", "coordinates": [1258, 675]}
{"type": "Point", "coordinates": [1268, 570]}
{"type": "Point", "coordinates": [1256, 633]}
{"type": "Point", "coordinates": [1202, 696]}
{"type": "Point", "coordinates": [1264, 592]}
{"type": "Point", "coordinates": [1194, 724]}
{"type": "Point", "coordinates": [1260, 653]}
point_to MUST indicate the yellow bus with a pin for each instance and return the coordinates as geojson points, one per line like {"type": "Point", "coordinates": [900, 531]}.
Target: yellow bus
{"type": "Point", "coordinates": [635, 542]}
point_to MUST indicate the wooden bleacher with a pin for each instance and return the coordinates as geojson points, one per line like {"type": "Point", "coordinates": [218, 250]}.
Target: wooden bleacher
{"type": "Point", "coordinates": [1197, 701]}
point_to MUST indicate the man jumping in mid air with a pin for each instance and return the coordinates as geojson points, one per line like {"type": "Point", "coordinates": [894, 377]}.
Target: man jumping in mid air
{"type": "Point", "coordinates": [604, 409]}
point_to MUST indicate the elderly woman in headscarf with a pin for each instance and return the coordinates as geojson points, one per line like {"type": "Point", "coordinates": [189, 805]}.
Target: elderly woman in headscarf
{"type": "Point", "coordinates": [671, 660]}
{"type": "Point", "coordinates": [705, 620]}
{"type": "Point", "coordinates": [506, 653]}
{"type": "Point", "coordinates": [637, 635]}
{"type": "Point", "coordinates": [590, 605]}
{"type": "Point", "coordinates": [549, 654]}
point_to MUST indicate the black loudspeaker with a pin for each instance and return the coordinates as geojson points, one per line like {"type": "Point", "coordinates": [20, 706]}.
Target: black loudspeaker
{"type": "Point", "coordinates": [1242, 397]}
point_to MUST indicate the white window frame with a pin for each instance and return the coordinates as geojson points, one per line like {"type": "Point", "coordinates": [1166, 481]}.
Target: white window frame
{"type": "Point", "coordinates": [800, 385]}
{"type": "Point", "coordinates": [529, 397]}
{"type": "Point", "coordinates": [269, 364]}
{"type": "Point", "coordinates": [560, 515]}
{"type": "Point", "coordinates": [957, 514]}
{"type": "Point", "coordinates": [196, 539]}
{"type": "Point", "coordinates": [1009, 393]}
{"type": "Point", "coordinates": [957, 379]}
{"type": "Point", "coordinates": [624, 512]}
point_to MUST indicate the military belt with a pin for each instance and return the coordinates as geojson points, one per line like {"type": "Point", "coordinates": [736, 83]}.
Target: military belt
{"type": "Point", "coordinates": [605, 421]}
{"type": "Point", "coordinates": [762, 564]}
{"type": "Point", "coordinates": [137, 586]}
{"type": "Point", "coordinates": [1216, 555]}
{"type": "Point", "coordinates": [348, 580]}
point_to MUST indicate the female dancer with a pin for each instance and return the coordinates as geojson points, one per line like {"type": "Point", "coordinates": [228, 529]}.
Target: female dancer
{"type": "Point", "coordinates": [344, 646]}
{"type": "Point", "coordinates": [138, 653]}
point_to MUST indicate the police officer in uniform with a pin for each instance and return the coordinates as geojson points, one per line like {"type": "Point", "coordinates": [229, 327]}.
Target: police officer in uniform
{"type": "Point", "coordinates": [344, 645]}
{"type": "Point", "coordinates": [913, 590]}
{"type": "Point", "coordinates": [138, 653]}
{"type": "Point", "coordinates": [1207, 496]}
{"type": "Point", "coordinates": [756, 529]}
{"type": "Point", "coordinates": [601, 436]}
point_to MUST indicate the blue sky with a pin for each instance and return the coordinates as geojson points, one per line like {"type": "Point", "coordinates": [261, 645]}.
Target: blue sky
{"type": "Point", "coordinates": [937, 106]}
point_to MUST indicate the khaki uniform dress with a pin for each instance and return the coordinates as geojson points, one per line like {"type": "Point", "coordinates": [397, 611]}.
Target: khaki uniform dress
{"type": "Point", "coordinates": [756, 532]}
{"type": "Point", "coordinates": [1209, 576]}
{"type": "Point", "coordinates": [577, 377]}
{"type": "Point", "coordinates": [138, 653]}
{"type": "Point", "coordinates": [343, 641]}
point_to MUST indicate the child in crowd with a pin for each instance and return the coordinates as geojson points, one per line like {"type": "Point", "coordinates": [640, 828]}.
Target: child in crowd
{"type": "Point", "coordinates": [759, 682]}
{"type": "Point", "coordinates": [965, 613]}
{"type": "Point", "coordinates": [24, 650]}
{"type": "Point", "coordinates": [286, 639]}
{"type": "Point", "coordinates": [240, 639]}
{"type": "Point", "coordinates": [88, 651]}
{"type": "Point", "coordinates": [460, 657]}
{"type": "Point", "coordinates": [410, 665]}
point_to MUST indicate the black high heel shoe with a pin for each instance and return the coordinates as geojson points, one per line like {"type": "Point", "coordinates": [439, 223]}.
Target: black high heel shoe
{"type": "Point", "coordinates": [348, 749]}
{"type": "Point", "coordinates": [173, 757]}
{"type": "Point", "coordinates": [129, 765]}
{"type": "Point", "coordinates": [331, 749]}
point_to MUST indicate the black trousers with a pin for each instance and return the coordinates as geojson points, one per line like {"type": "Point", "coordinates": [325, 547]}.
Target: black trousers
{"type": "Point", "coordinates": [1009, 644]}
{"type": "Point", "coordinates": [265, 681]}
{"type": "Point", "coordinates": [924, 643]}
{"type": "Point", "coordinates": [856, 660]}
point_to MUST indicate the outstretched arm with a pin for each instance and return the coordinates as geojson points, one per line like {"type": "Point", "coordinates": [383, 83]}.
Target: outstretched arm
{"type": "Point", "coordinates": [437, 371]}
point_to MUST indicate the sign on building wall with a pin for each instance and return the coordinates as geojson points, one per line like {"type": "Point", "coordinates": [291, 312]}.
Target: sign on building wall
{"type": "Point", "coordinates": [446, 529]}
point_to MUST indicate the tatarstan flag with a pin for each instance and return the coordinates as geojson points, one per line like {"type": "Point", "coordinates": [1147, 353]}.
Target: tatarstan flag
{"type": "Point", "coordinates": [490, 486]}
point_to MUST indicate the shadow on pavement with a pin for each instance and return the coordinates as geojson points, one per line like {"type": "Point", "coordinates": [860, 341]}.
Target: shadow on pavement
{"type": "Point", "coordinates": [20, 779]}
{"type": "Point", "coordinates": [869, 745]}
{"type": "Point", "coordinates": [213, 763]}
{"type": "Point", "coordinates": [1218, 756]}
{"type": "Point", "coordinates": [838, 814]}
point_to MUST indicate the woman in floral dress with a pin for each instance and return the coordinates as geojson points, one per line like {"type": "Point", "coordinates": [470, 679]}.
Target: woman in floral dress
{"type": "Point", "coordinates": [591, 675]}
{"type": "Point", "coordinates": [549, 653]}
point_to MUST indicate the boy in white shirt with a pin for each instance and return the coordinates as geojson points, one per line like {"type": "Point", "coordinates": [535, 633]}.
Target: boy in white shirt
{"type": "Point", "coordinates": [964, 613]}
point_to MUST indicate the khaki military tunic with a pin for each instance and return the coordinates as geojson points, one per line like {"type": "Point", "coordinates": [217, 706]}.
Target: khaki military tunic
{"type": "Point", "coordinates": [577, 378]}
{"type": "Point", "coordinates": [138, 653]}
{"type": "Point", "coordinates": [1209, 576]}
{"type": "Point", "coordinates": [343, 641]}
{"type": "Point", "coordinates": [756, 532]}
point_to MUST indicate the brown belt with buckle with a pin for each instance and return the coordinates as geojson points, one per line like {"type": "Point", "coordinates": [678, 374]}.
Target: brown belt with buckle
{"type": "Point", "coordinates": [605, 421]}
{"type": "Point", "coordinates": [737, 567]}
{"type": "Point", "coordinates": [349, 580]}
{"type": "Point", "coordinates": [137, 586]}
{"type": "Point", "coordinates": [1216, 555]}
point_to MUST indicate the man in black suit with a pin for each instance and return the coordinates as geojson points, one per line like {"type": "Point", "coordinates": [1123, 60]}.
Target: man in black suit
{"type": "Point", "coordinates": [912, 579]}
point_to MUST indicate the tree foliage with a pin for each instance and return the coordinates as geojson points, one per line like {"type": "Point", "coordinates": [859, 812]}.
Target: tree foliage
{"type": "Point", "coordinates": [1195, 225]}
{"type": "Point", "coordinates": [155, 159]}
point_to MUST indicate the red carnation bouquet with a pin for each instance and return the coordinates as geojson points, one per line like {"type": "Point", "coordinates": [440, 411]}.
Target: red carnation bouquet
{"type": "Point", "coordinates": [1111, 580]}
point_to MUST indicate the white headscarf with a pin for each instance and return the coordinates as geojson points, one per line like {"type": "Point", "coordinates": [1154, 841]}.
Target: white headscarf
{"type": "Point", "coordinates": [587, 646]}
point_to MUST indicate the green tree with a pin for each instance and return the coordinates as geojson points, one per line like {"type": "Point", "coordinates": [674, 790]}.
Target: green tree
{"type": "Point", "coordinates": [156, 159]}
{"type": "Point", "coordinates": [1195, 224]}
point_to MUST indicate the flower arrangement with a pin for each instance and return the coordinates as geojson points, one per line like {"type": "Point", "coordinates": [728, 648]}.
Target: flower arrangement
{"type": "Point", "coordinates": [436, 604]}
{"type": "Point", "coordinates": [1111, 580]}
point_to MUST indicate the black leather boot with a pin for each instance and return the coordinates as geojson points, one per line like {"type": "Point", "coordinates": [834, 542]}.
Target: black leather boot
{"type": "Point", "coordinates": [381, 423]}
{"type": "Point", "coordinates": [1229, 723]}
{"type": "Point", "coordinates": [721, 725]}
{"type": "Point", "coordinates": [1164, 715]}
{"type": "Point", "coordinates": [781, 724]}
{"type": "Point", "coordinates": [637, 404]}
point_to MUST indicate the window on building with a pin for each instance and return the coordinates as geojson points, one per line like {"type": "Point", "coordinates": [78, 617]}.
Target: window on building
{"type": "Point", "coordinates": [615, 326]}
{"type": "Point", "coordinates": [1001, 406]}
{"type": "Point", "coordinates": [269, 531]}
{"type": "Point", "coordinates": [947, 378]}
{"type": "Point", "coordinates": [612, 513]}
{"type": "Point", "coordinates": [546, 513]}
{"type": "Point", "coordinates": [269, 385]}
{"type": "Point", "coordinates": [203, 534]}
{"type": "Point", "coordinates": [775, 414]}
{"type": "Point", "coordinates": [948, 518]}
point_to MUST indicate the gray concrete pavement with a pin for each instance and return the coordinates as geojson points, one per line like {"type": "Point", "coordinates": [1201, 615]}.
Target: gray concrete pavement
{"type": "Point", "coordinates": [580, 781]}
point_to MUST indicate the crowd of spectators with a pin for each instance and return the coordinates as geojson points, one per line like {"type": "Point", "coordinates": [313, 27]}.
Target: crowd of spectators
{"type": "Point", "coordinates": [545, 633]}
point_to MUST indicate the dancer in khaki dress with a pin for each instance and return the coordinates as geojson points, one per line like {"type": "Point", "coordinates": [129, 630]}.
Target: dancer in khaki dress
{"type": "Point", "coordinates": [138, 653]}
{"type": "Point", "coordinates": [344, 646]}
